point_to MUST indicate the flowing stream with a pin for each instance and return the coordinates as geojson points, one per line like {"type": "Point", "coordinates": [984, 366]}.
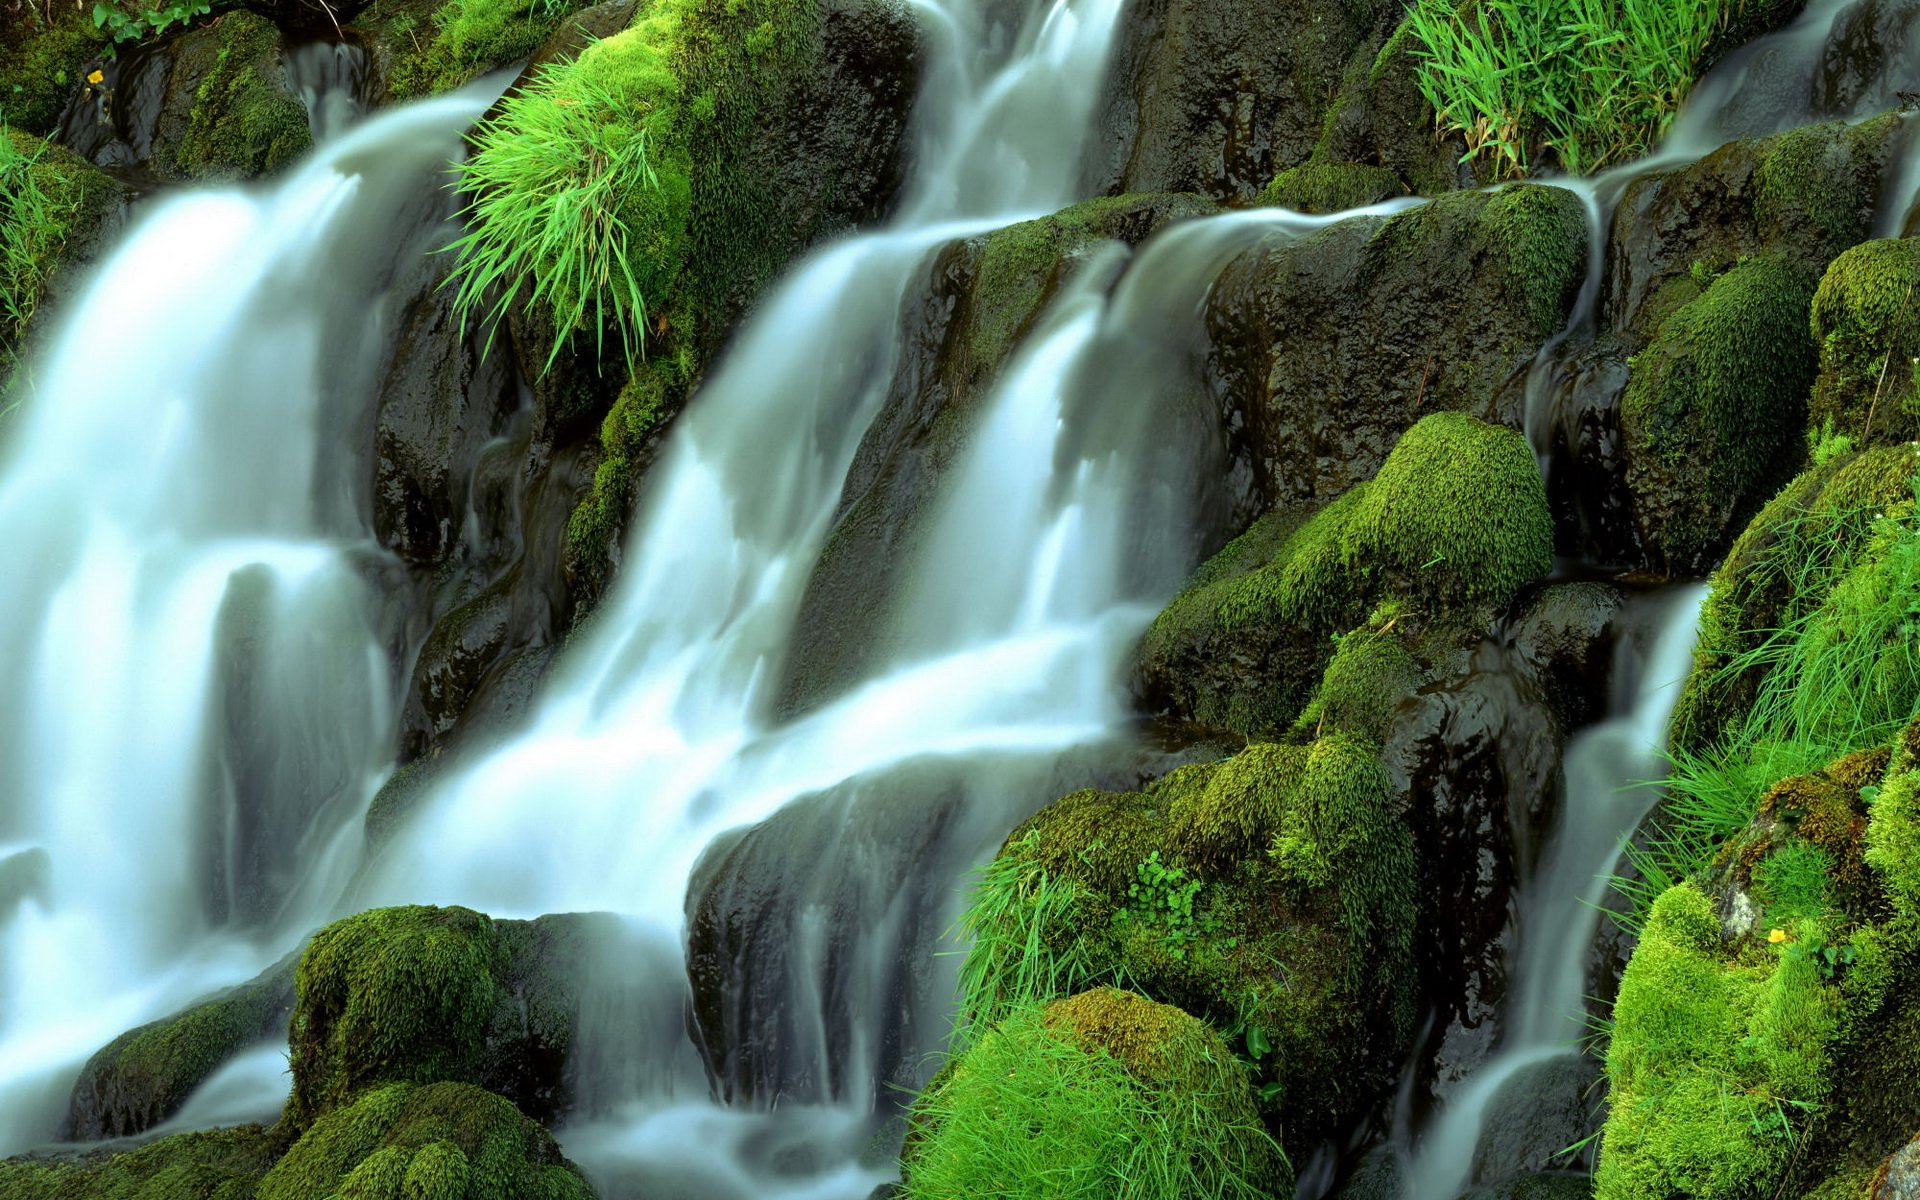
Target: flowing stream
{"type": "Point", "coordinates": [190, 618]}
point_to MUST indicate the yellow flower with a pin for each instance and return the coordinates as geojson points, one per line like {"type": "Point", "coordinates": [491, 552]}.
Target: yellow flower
{"type": "Point", "coordinates": [1777, 936]}
{"type": "Point", "coordinates": [97, 78]}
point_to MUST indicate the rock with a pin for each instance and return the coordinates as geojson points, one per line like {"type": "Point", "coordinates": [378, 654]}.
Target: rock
{"type": "Point", "coordinates": [1870, 49]}
{"type": "Point", "coordinates": [1714, 410]}
{"type": "Point", "coordinates": [983, 296]}
{"type": "Point", "coordinates": [450, 1141]}
{"type": "Point", "coordinates": [143, 1076]}
{"type": "Point", "coordinates": [1586, 485]}
{"type": "Point", "coordinates": [1455, 517]}
{"type": "Point", "coordinates": [1329, 344]}
{"type": "Point", "coordinates": [45, 55]}
{"type": "Point", "coordinates": [432, 995]}
{"type": "Point", "coordinates": [1806, 194]}
{"type": "Point", "coordinates": [1899, 1176]}
{"type": "Point", "coordinates": [1549, 1185]}
{"type": "Point", "coordinates": [1528, 1127]}
{"type": "Point", "coordinates": [1156, 1094]}
{"type": "Point", "coordinates": [1214, 97]}
{"type": "Point", "coordinates": [1866, 323]}
{"type": "Point", "coordinates": [212, 103]}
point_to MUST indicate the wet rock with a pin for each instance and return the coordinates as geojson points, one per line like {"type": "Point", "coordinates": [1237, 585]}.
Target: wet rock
{"type": "Point", "coordinates": [1551, 1185]}
{"type": "Point", "coordinates": [1899, 1176]}
{"type": "Point", "coordinates": [1216, 97]}
{"type": "Point", "coordinates": [1586, 485]}
{"type": "Point", "coordinates": [143, 1076]}
{"type": "Point", "coordinates": [430, 995]}
{"type": "Point", "coordinates": [1713, 417]}
{"type": "Point", "coordinates": [1329, 344]}
{"type": "Point", "coordinates": [1806, 194]}
{"type": "Point", "coordinates": [1871, 45]}
{"type": "Point", "coordinates": [1563, 639]}
{"type": "Point", "coordinates": [213, 103]}
{"type": "Point", "coordinates": [982, 297]}
{"type": "Point", "coordinates": [1538, 1115]}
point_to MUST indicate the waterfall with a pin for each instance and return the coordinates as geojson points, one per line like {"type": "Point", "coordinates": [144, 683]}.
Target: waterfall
{"type": "Point", "coordinates": [196, 691]}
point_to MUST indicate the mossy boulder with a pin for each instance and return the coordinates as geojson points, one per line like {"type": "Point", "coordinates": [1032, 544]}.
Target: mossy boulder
{"type": "Point", "coordinates": [1807, 194]}
{"type": "Point", "coordinates": [444, 1141]}
{"type": "Point", "coordinates": [58, 211]}
{"type": "Point", "coordinates": [1328, 344]}
{"type": "Point", "coordinates": [425, 47]}
{"type": "Point", "coordinates": [225, 1164]}
{"type": "Point", "coordinates": [44, 56]}
{"type": "Point", "coordinates": [1099, 1094]}
{"type": "Point", "coordinates": [1714, 410]}
{"type": "Point", "coordinates": [230, 112]}
{"type": "Point", "coordinates": [144, 1076]}
{"type": "Point", "coordinates": [1272, 893]}
{"type": "Point", "coordinates": [984, 295]}
{"type": "Point", "coordinates": [1866, 323]}
{"type": "Point", "coordinates": [1779, 571]}
{"type": "Point", "coordinates": [1216, 97]}
{"type": "Point", "coordinates": [1331, 187]}
{"type": "Point", "coordinates": [430, 995]}
{"type": "Point", "coordinates": [1456, 517]}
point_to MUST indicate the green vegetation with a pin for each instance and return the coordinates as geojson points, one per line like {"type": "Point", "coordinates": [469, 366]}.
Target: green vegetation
{"type": "Point", "coordinates": [225, 1164]}
{"type": "Point", "coordinates": [394, 994]}
{"type": "Point", "coordinates": [1866, 321]}
{"type": "Point", "coordinates": [1104, 1094]}
{"type": "Point", "coordinates": [150, 22]}
{"type": "Point", "coordinates": [240, 126]}
{"type": "Point", "coordinates": [1331, 187]}
{"type": "Point", "coordinates": [441, 1141]}
{"type": "Point", "coordinates": [1589, 82]}
{"type": "Point", "coordinates": [1715, 409]}
{"type": "Point", "coordinates": [1370, 672]}
{"type": "Point", "coordinates": [49, 198]}
{"type": "Point", "coordinates": [468, 38]}
{"type": "Point", "coordinates": [43, 58]}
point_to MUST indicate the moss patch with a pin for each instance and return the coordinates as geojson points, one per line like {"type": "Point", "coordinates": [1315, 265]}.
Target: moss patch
{"type": "Point", "coordinates": [1325, 187]}
{"type": "Point", "coordinates": [460, 40]}
{"type": "Point", "coordinates": [1866, 322]}
{"type": "Point", "coordinates": [51, 202]}
{"type": "Point", "coordinates": [1102, 1094]}
{"type": "Point", "coordinates": [1713, 412]}
{"type": "Point", "coordinates": [226, 1164]}
{"type": "Point", "coordinates": [44, 60]}
{"type": "Point", "coordinates": [244, 122]}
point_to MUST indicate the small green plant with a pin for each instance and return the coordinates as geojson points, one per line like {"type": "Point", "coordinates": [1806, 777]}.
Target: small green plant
{"type": "Point", "coordinates": [149, 22]}
{"type": "Point", "coordinates": [1591, 81]}
{"type": "Point", "coordinates": [1162, 896]}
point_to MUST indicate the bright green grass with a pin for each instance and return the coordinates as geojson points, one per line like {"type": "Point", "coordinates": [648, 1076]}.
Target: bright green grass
{"type": "Point", "coordinates": [1593, 81]}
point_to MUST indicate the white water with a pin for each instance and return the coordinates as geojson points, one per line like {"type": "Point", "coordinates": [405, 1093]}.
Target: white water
{"type": "Point", "coordinates": [191, 684]}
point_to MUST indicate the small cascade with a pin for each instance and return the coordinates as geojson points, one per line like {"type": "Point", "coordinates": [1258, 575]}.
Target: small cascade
{"type": "Point", "coordinates": [331, 79]}
{"type": "Point", "coordinates": [196, 690]}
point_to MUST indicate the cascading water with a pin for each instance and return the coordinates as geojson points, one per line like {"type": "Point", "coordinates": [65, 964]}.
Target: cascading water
{"type": "Point", "coordinates": [193, 677]}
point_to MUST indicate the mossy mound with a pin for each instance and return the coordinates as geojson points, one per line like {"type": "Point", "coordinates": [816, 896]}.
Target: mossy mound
{"type": "Point", "coordinates": [243, 119]}
{"type": "Point", "coordinates": [143, 1076]}
{"type": "Point", "coordinates": [1713, 413]}
{"type": "Point", "coordinates": [1457, 518]}
{"type": "Point", "coordinates": [52, 207]}
{"type": "Point", "coordinates": [442, 1141]}
{"type": "Point", "coordinates": [428, 995]}
{"type": "Point", "coordinates": [425, 47]}
{"type": "Point", "coordinates": [1866, 322]}
{"type": "Point", "coordinates": [1101, 1094]}
{"type": "Point", "coordinates": [1271, 893]}
{"type": "Point", "coordinates": [1781, 570]}
{"type": "Point", "coordinates": [226, 1164]}
{"type": "Point", "coordinates": [43, 58]}
{"type": "Point", "coordinates": [1331, 187]}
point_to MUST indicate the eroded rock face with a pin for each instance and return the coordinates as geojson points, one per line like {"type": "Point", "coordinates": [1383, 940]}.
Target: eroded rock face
{"type": "Point", "coordinates": [1217, 97]}
{"type": "Point", "coordinates": [1899, 1177]}
{"type": "Point", "coordinates": [1329, 344]}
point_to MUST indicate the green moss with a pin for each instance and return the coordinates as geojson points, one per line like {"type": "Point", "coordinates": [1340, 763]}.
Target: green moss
{"type": "Point", "coordinates": [652, 393]}
{"type": "Point", "coordinates": [1866, 322]}
{"type": "Point", "coordinates": [222, 1165]}
{"type": "Point", "coordinates": [389, 995]}
{"type": "Point", "coordinates": [445, 1141]}
{"type": "Point", "coordinates": [1716, 1061]}
{"type": "Point", "coordinates": [1270, 893]}
{"type": "Point", "coordinates": [467, 38]}
{"type": "Point", "coordinates": [242, 126]}
{"type": "Point", "coordinates": [1370, 673]}
{"type": "Point", "coordinates": [1893, 840]}
{"type": "Point", "coordinates": [1099, 1095]}
{"type": "Point", "coordinates": [1331, 187]}
{"type": "Point", "coordinates": [1713, 413]}
{"type": "Point", "coordinates": [1541, 233]}
{"type": "Point", "coordinates": [1820, 184]}
{"type": "Point", "coordinates": [50, 201]}
{"type": "Point", "coordinates": [42, 60]}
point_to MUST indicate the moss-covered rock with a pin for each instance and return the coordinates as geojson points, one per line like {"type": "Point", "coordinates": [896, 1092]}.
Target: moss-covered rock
{"type": "Point", "coordinates": [43, 59]}
{"type": "Point", "coordinates": [1778, 572]}
{"type": "Point", "coordinates": [1271, 893]}
{"type": "Point", "coordinates": [429, 995]}
{"type": "Point", "coordinates": [226, 1164]}
{"type": "Point", "coordinates": [1714, 410]}
{"type": "Point", "coordinates": [442, 1141]}
{"type": "Point", "coordinates": [1457, 516]}
{"type": "Point", "coordinates": [1807, 194]}
{"type": "Point", "coordinates": [425, 47]}
{"type": "Point", "coordinates": [1100, 1094]}
{"type": "Point", "coordinates": [230, 112]}
{"type": "Point", "coordinates": [1866, 322]}
{"type": "Point", "coordinates": [56, 209]}
{"type": "Point", "coordinates": [1331, 187]}
{"type": "Point", "coordinates": [1328, 344]}
{"type": "Point", "coordinates": [143, 1076]}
